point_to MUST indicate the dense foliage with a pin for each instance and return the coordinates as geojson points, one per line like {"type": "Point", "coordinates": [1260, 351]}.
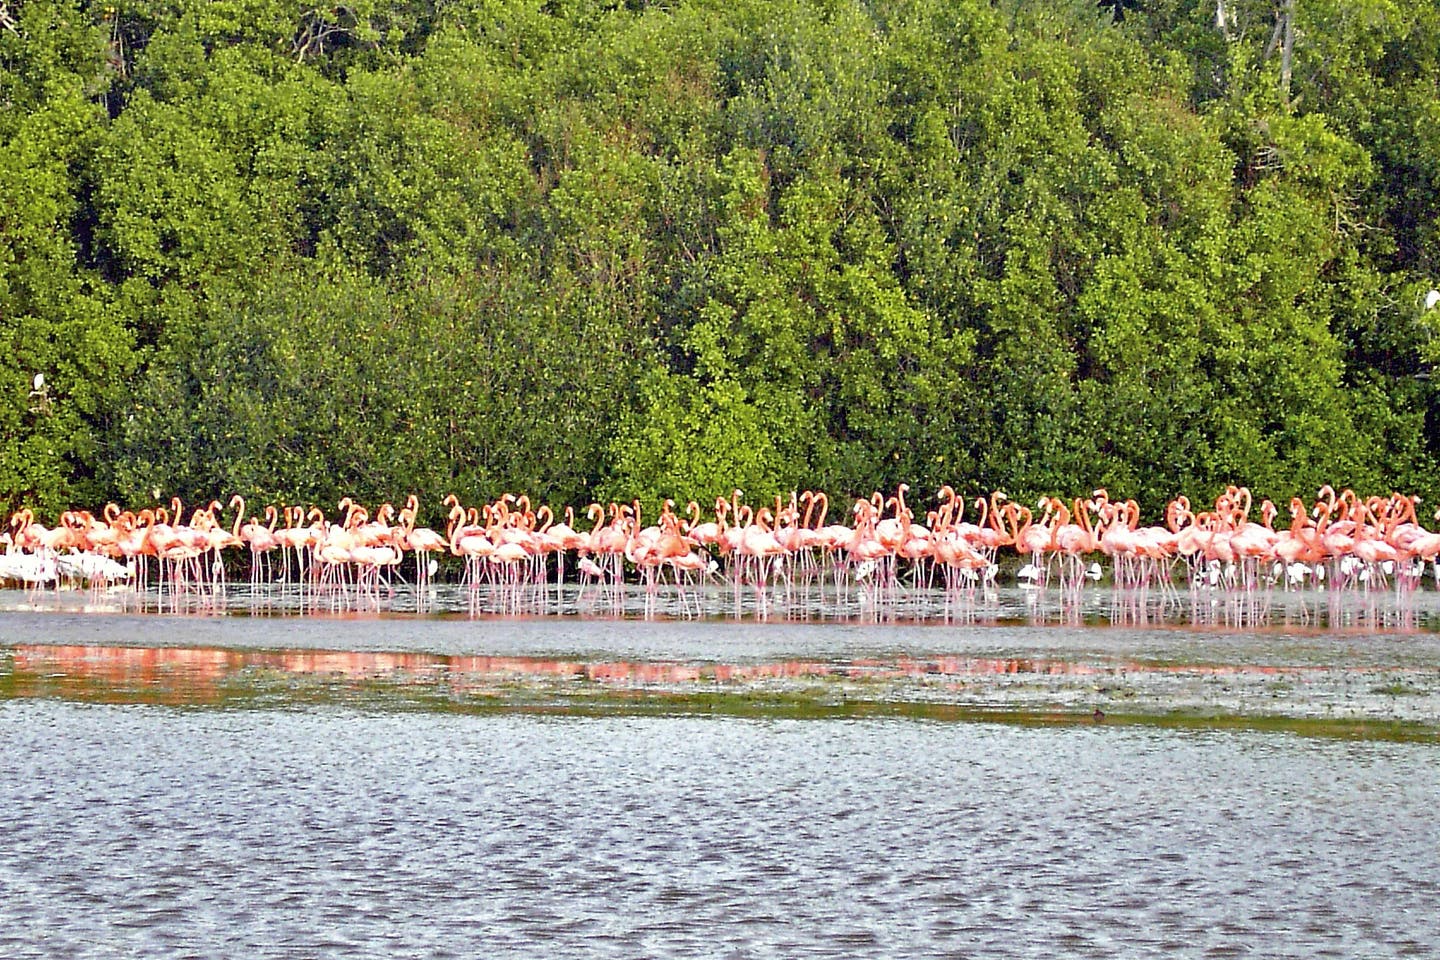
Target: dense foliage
{"type": "Point", "coordinates": [589, 248]}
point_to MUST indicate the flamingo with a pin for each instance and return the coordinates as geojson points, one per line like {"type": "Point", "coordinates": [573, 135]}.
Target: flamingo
{"type": "Point", "coordinates": [1366, 539]}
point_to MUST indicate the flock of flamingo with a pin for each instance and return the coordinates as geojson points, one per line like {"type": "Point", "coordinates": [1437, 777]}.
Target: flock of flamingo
{"type": "Point", "coordinates": [1340, 538]}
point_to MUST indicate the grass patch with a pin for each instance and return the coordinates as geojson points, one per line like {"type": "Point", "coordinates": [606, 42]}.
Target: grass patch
{"type": "Point", "coordinates": [1398, 689]}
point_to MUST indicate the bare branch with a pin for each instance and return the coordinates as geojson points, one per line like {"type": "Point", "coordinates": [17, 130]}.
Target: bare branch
{"type": "Point", "coordinates": [1224, 20]}
{"type": "Point", "coordinates": [1274, 40]}
{"type": "Point", "coordinates": [316, 28]}
{"type": "Point", "coordinates": [1287, 49]}
{"type": "Point", "coordinates": [7, 19]}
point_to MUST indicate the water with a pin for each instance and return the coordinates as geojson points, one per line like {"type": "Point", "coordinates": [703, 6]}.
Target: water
{"type": "Point", "coordinates": [1408, 611]}
{"type": "Point", "coordinates": [296, 833]}
{"type": "Point", "coordinates": [394, 785]}
{"type": "Point", "coordinates": [1357, 681]}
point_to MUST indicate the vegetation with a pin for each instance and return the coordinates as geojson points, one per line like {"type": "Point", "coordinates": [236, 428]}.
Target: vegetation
{"type": "Point", "coordinates": [589, 248]}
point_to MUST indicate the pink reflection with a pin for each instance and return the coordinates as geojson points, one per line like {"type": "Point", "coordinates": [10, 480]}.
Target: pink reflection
{"type": "Point", "coordinates": [126, 664]}
{"type": "Point", "coordinates": [201, 670]}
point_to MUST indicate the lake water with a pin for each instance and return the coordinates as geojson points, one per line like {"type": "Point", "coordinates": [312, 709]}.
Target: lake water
{"type": "Point", "coordinates": [393, 786]}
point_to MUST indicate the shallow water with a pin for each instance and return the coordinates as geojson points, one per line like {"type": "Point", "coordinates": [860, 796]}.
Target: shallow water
{"type": "Point", "coordinates": [1351, 610]}
{"type": "Point", "coordinates": [139, 830]}
{"type": "Point", "coordinates": [256, 782]}
{"type": "Point", "coordinates": [1375, 681]}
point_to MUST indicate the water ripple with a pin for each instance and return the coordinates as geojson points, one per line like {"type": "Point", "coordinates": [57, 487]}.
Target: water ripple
{"type": "Point", "coordinates": [170, 832]}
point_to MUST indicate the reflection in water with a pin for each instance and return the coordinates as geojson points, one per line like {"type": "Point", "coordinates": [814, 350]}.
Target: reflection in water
{"type": "Point", "coordinates": [1057, 685]}
{"type": "Point", "coordinates": [1296, 656]}
{"type": "Point", "coordinates": [208, 668]}
{"type": "Point", "coordinates": [1391, 611]}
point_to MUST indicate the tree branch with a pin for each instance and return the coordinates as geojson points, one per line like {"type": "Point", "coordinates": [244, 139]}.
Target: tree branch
{"type": "Point", "coordinates": [1224, 20]}
{"type": "Point", "coordinates": [315, 29]}
{"type": "Point", "coordinates": [7, 19]}
{"type": "Point", "coordinates": [1287, 49]}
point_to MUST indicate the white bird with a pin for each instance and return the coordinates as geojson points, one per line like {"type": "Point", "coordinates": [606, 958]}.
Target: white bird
{"type": "Point", "coordinates": [1432, 298]}
{"type": "Point", "coordinates": [1208, 575]}
{"type": "Point", "coordinates": [91, 567]}
{"type": "Point", "coordinates": [1094, 572]}
{"type": "Point", "coordinates": [40, 382]}
{"type": "Point", "coordinates": [28, 568]}
{"type": "Point", "coordinates": [864, 570]}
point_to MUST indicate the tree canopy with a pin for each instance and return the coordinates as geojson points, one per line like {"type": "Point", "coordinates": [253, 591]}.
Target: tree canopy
{"type": "Point", "coordinates": [602, 249]}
